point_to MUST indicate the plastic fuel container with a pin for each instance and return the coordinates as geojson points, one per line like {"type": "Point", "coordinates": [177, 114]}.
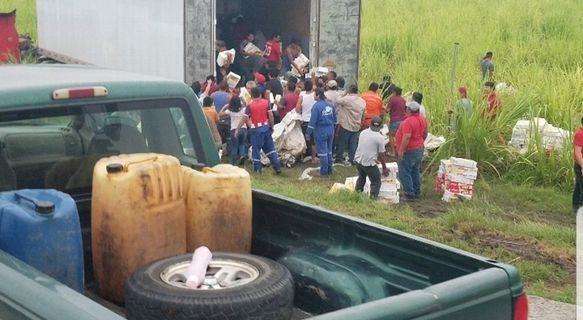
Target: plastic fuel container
{"type": "Point", "coordinates": [138, 216]}
{"type": "Point", "coordinates": [41, 228]}
{"type": "Point", "coordinates": [218, 209]}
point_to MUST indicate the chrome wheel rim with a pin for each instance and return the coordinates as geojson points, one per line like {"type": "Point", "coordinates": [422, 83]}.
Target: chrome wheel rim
{"type": "Point", "coordinates": [220, 274]}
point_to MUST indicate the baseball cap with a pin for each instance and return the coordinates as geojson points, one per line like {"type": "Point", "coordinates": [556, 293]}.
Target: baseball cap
{"type": "Point", "coordinates": [376, 124]}
{"type": "Point", "coordinates": [332, 84]}
{"type": "Point", "coordinates": [259, 78]}
{"type": "Point", "coordinates": [413, 106]}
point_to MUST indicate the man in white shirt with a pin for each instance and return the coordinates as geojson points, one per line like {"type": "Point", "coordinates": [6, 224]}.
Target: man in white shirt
{"type": "Point", "coordinates": [371, 149]}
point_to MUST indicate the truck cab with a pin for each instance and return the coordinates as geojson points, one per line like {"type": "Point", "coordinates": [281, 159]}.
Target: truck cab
{"type": "Point", "coordinates": [57, 121]}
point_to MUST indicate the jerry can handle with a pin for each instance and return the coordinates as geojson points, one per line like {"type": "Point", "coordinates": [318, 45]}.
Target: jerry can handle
{"type": "Point", "coordinates": [207, 169]}
{"type": "Point", "coordinates": [42, 207]}
{"type": "Point", "coordinates": [153, 158]}
{"type": "Point", "coordinates": [118, 167]}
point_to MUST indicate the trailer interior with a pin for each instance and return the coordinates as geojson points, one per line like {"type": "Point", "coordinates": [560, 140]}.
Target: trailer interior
{"type": "Point", "coordinates": [290, 18]}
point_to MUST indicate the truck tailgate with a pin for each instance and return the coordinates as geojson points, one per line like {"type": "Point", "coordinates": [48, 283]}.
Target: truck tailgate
{"type": "Point", "coordinates": [481, 295]}
{"type": "Point", "coordinates": [348, 268]}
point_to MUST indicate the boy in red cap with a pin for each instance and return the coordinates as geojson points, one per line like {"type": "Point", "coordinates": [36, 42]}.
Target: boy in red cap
{"type": "Point", "coordinates": [463, 108]}
{"type": "Point", "coordinates": [260, 80]}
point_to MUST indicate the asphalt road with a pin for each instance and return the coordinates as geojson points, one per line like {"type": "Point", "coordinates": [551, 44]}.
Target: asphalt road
{"type": "Point", "coordinates": [543, 309]}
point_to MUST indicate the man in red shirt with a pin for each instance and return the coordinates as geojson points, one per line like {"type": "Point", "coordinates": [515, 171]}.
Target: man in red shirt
{"type": "Point", "coordinates": [409, 142]}
{"type": "Point", "coordinates": [259, 120]}
{"type": "Point", "coordinates": [492, 99]}
{"type": "Point", "coordinates": [374, 104]}
{"type": "Point", "coordinates": [578, 156]}
{"type": "Point", "coordinates": [273, 52]}
{"type": "Point", "coordinates": [289, 100]}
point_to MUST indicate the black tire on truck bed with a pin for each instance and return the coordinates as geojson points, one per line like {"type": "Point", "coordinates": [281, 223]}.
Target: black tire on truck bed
{"type": "Point", "coordinates": [269, 296]}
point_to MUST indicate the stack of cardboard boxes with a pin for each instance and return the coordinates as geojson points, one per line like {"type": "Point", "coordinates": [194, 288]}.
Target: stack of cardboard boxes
{"type": "Point", "coordinates": [455, 178]}
{"type": "Point", "coordinates": [390, 185]}
{"type": "Point", "coordinates": [552, 138]}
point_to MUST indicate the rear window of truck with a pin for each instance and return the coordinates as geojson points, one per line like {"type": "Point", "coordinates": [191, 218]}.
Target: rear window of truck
{"type": "Point", "coordinates": [57, 147]}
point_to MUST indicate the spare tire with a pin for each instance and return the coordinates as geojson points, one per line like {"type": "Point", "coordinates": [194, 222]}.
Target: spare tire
{"type": "Point", "coordinates": [245, 287]}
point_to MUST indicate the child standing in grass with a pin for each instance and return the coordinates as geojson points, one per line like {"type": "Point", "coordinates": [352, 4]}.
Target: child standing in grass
{"type": "Point", "coordinates": [492, 99]}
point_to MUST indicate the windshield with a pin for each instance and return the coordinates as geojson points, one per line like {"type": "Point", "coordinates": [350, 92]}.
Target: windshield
{"type": "Point", "coordinates": [57, 147]}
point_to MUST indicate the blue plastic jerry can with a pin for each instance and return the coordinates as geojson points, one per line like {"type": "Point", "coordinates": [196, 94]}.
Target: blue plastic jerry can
{"type": "Point", "coordinates": [41, 228]}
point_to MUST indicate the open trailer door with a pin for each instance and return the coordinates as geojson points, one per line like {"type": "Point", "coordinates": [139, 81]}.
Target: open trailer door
{"type": "Point", "coordinates": [142, 36]}
{"type": "Point", "coordinates": [339, 33]}
{"type": "Point", "coordinates": [199, 39]}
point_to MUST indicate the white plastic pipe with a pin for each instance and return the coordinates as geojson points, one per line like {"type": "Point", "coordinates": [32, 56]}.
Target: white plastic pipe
{"type": "Point", "coordinates": [197, 270]}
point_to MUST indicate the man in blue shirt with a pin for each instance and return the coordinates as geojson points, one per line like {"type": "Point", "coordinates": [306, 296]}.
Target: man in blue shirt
{"type": "Point", "coordinates": [321, 127]}
{"type": "Point", "coordinates": [221, 97]}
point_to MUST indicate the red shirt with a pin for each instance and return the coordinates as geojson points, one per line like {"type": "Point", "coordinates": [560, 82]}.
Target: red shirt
{"type": "Point", "coordinates": [578, 140]}
{"type": "Point", "coordinates": [493, 105]}
{"type": "Point", "coordinates": [290, 100]}
{"type": "Point", "coordinates": [214, 88]}
{"type": "Point", "coordinates": [257, 112]}
{"type": "Point", "coordinates": [416, 125]}
{"type": "Point", "coordinates": [272, 51]}
{"type": "Point", "coordinates": [397, 108]}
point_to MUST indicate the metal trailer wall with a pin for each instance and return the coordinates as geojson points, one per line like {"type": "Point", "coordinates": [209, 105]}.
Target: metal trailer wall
{"type": "Point", "coordinates": [143, 36]}
{"type": "Point", "coordinates": [199, 30]}
{"type": "Point", "coordinates": [338, 37]}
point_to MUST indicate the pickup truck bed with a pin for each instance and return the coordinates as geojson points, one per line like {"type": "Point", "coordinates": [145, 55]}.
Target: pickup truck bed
{"type": "Point", "coordinates": [343, 268]}
{"type": "Point", "coordinates": [340, 262]}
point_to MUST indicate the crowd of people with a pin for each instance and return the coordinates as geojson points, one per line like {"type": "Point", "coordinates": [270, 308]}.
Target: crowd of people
{"type": "Point", "coordinates": [339, 124]}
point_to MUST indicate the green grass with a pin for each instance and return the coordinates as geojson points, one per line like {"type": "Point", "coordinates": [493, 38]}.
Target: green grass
{"type": "Point", "coordinates": [531, 228]}
{"type": "Point", "coordinates": [25, 15]}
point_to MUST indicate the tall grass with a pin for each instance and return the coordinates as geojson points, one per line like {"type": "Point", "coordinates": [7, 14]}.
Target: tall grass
{"type": "Point", "coordinates": [25, 15]}
{"type": "Point", "coordinates": [538, 49]}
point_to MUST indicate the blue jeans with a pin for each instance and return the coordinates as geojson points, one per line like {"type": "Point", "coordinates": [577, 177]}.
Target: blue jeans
{"type": "Point", "coordinates": [238, 145]}
{"type": "Point", "coordinates": [394, 126]}
{"type": "Point", "coordinates": [261, 140]}
{"type": "Point", "coordinates": [410, 172]}
{"type": "Point", "coordinates": [346, 139]}
{"type": "Point", "coordinates": [324, 137]}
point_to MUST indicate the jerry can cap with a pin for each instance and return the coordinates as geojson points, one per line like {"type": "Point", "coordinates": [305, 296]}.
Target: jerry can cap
{"type": "Point", "coordinates": [114, 168]}
{"type": "Point", "coordinates": [44, 207]}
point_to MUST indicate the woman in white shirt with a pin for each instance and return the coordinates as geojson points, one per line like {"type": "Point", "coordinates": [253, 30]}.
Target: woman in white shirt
{"type": "Point", "coordinates": [236, 111]}
{"type": "Point", "coordinates": [304, 107]}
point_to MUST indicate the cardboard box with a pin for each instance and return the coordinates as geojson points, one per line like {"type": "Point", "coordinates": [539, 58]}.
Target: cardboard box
{"type": "Point", "coordinates": [225, 57]}
{"type": "Point", "coordinates": [455, 178]}
{"type": "Point", "coordinates": [460, 162]}
{"type": "Point", "coordinates": [232, 79]}
{"type": "Point", "coordinates": [252, 49]}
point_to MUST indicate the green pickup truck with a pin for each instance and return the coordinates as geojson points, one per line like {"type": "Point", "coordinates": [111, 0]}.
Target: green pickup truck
{"type": "Point", "coordinates": [342, 267]}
